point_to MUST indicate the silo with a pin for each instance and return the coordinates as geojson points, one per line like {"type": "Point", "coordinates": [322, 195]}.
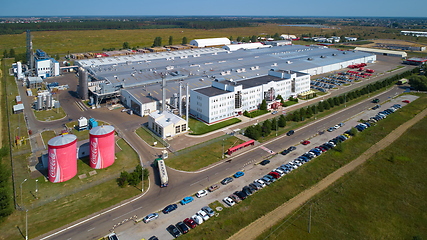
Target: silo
{"type": "Point", "coordinates": [62, 152]}
{"type": "Point", "coordinates": [102, 149]}
{"type": "Point", "coordinates": [39, 102]}
{"type": "Point", "coordinates": [83, 85]}
{"type": "Point", "coordinates": [19, 70]}
{"type": "Point", "coordinates": [49, 101]}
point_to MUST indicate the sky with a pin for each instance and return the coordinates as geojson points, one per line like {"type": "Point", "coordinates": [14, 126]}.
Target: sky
{"type": "Point", "coordinates": [323, 8]}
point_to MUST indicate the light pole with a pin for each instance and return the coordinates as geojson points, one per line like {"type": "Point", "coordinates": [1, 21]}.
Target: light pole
{"type": "Point", "coordinates": [36, 188]}
{"type": "Point", "coordinates": [345, 100]}
{"type": "Point", "coordinates": [315, 111]}
{"type": "Point", "coordinates": [21, 190]}
{"type": "Point", "coordinates": [26, 225]}
{"type": "Point", "coordinates": [223, 148]}
{"type": "Point", "coordinates": [276, 128]}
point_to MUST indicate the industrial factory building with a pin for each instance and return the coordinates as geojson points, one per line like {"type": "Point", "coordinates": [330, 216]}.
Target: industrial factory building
{"type": "Point", "coordinates": [210, 42]}
{"type": "Point", "coordinates": [166, 124]}
{"type": "Point", "coordinates": [45, 66]}
{"type": "Point", "coordinates": [137, 79]}
{"type": "Point", "coordinates": [229, 98]}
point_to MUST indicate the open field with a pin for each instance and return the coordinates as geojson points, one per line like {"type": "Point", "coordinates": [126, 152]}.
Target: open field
{"type": "Point", "coordinates": [75, 198]}
{"type": "Point", "coordinates": [383, 199]}
{"type": "Point", "coordinates": [233, 219]}
{"type": "Point", "coordinates": [201, 157]}
{"type": "Point", "coordinates": [62, 42]}
{"type": "Point", "coordinates": [147, 137]}
{"type": "Point", "coordinates": [198, 127]}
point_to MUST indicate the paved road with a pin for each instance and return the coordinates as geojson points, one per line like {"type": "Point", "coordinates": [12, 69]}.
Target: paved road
{"type": "Point", "coordinates": [181, 184]}
{"type": "Point", "coordinates": [262, 224]}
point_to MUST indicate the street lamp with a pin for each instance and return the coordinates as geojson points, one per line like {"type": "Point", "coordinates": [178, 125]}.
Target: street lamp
{"type": "Point", "coordinates": [223, 148]}
{"type": "Point", "coordinates": [26, 225]}
{"type": "Point", "coordinates": [36, 188]}
{"type": "Point", "coordinates": [276, 128]}
{"type": "Point", "coordinates": [21, 190]}
{"type": "Point", "coordinates": [345, 100]}
{"type": "Point", "coordinates": [315, 111]}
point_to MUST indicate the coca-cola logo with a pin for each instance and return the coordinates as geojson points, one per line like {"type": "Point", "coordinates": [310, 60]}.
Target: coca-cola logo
{"type": "Point", "coordinates": [52, 163]}
{"type": "Point", "coordinates": [93, 151]}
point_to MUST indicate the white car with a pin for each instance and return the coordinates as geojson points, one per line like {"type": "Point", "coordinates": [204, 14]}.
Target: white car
{"type": "Point", "coordinates": [337, 126]}
{"type": "Point", "coordinates": [261, 182]}
{"type": "Point", "coordinates": [229, 201]}
{"type": "Point", "coordinates": [201, 193]}
{"type": "Point", "coordinates": [197, 219]}
{"type": "Point", "coordinates": [203, 214]}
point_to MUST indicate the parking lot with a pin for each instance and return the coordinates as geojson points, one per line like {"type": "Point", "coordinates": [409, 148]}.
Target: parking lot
{"type": "Point", "coordinates": [252, 172]}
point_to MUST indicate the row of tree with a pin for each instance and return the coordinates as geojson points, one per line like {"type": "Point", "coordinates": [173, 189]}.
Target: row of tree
{"type": "Point", "coordinates": [419, 82]}
{"type": "Point", "coordinates": [133, 178]}
{"type": "Point", "coordinates": [264, 129]}
{"type": "Point", "coordinates": [158, 41]}
{"type": "Point", "coordinates": [6, 206]}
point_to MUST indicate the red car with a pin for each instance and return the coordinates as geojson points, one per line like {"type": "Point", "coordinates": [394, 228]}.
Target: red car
{"type": "Point", "coordinates": [274, 174]}
{"type": "Point", "coordinates": [305, 142]}
{"type": "Point", "coordinates": [190, 222]}
{"type": "Point", "coordinates": [406, 101]}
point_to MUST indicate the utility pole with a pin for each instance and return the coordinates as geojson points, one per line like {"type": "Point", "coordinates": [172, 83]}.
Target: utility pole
{"type": "Point", "coordinates": [26, 225]}
{"type": "Point", "coordinates": [315, 111]}
{"type": "Point", "coordinates": [276, 128]}
{"type": "Point", "coordinates": [309, 221]}
{"type": "Point", "coordinates": [36, 188]}
{"type": "Point", "coordinates": [345, 100]}
{"type": "Point", "coordinates": [222, 148]}
{"type": "Point", "coordinates": [21, 190]}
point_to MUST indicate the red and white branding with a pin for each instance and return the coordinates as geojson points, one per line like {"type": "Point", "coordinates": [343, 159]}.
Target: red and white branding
{"type": "Point", "coordinates": [52, 164]}
{"type": "Point", "coordinates": [94, 151]}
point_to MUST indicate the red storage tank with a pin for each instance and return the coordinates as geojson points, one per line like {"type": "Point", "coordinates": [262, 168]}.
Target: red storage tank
{"type": "Point", "coordinates": [102, 149]}
{"type": "Point", "coordinates": [62, 152]}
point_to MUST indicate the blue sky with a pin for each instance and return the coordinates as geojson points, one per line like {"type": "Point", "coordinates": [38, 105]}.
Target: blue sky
{"type": "Point", "coordinates": [352, 8]}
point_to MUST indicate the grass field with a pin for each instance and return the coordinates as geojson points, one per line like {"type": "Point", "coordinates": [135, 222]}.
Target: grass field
{"type": "Point", "coordinates": [50, 115]}
{"type": "Point", "coordinates": [201, 157]}
{"type": "Point", "coordinates": [47, 135]}
{"type": "Point", "coordinates": [233, 219]}
{"type": "Point", "coordinates": [147, 137]}
{"type": "Point", "coordinates": [74, 202]}
{"type": "Point", "coordinates": [383, 199]}
{"type": "Point", "coordinates": [199, 128]}
{"type": "Point", "coordinates": [257, 113]}
{"type": "Point", "coordinates": [83, 134]}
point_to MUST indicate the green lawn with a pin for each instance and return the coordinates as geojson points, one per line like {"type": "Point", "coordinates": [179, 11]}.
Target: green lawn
{"type": "Point", "coordinates": [233, 219]}
{"type": "Point", "coordinates": [396, 68]}
{"type": "Point", "coordinates": [383, 199]}
{"type": "Point", "coordinates": [47, 135]}
{"type": "Point", "coordinates": [50, 115]}
{"type": "Point", "coordinates": [83, 134]}
{"type": "Point", "coordinates": [201, 157]}
{"type": "Point", "coordinates": [257, 113]}
{"type": "Point", "coordinates": [147, 137]}
{"type": "Point", "coordinates": [199, 128]}
{"type": "Point", "coordinates": [289, 103]}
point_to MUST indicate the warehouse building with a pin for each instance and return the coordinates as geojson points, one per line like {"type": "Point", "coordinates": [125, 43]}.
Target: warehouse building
{"type": "Point", "coordinates": [210, 42]}
{"type": "Point", "coordinates": [383, 52]}
{"type": "Point", "coordinates": [228, 98]}
{"type": "Point", "coordinates": [414, 33]}
{"type": "Point", "coordinates": [45, 66]}
{"type": "Point", "coordinates": [244, 46]}
{"type": "Point", "coordinates": [166, 124]}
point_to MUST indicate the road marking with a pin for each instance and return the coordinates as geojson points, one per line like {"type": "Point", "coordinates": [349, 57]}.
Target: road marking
{"type": "Point", "coordinates": [173, 88]}
{"type": "Point", "coordinates": [195, 84]}
{"type": "Point", "coordinates": [142, 94]}
{"type": "Point", "coordinates": [198, 181]}
{"type": "Point", "coordinates": [127, 213]}
{"type": "Point", "coordinates": [90, 229]}
{"type": "Point", "coordinates": [155, 92]}
{"type": "Point", "coordinates": [167, 90]}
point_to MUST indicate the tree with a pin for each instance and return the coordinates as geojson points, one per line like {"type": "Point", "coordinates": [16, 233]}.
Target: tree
{"type": "Point", "coordinates": [126, 45]}
{"type": "Point", "coordinates": [184, 40]}
{"type": "Point", "coordinates": [263, 105]}
{"type": "Point", "coordinates": [239, 39]}
{"type": "Point", "coordinates": [336, 101]}
{"type": "Point", "coordinates": [331, 102]}
{"type": "Point", "coordinates": [5, 54]}
{"type": "Point", "coordinates": [276, 36]}
{"type": "Point", "coordinates": [170, 40]}
{"type": "Point", "coordinates": [253, 38]}
{"type": "Point", "coordinates": [320, 107]}
{"type": "Point", "coordinates": [327, 35]}
{"type": "Point", "coordinates": [309, 112]}
{"type": "Point", "coordinates": [282, 121]}
{"type": "Point", "coordinates": [418, 82]}
{"type": "Point", "coordinates": [302, 113]}
{"type": "Point", "coordinates": [274, 124]}
{"type": "Point", "coordinates": [353, 131]}
{"type": "Point", "coordinates": [342, 39]}
{"type": "Point", "coordinates": [123, 179]}
{"type": "Point", "coordinates": [157, 42]}
{"type": "Point", "coordinates": [326, 105]}
{"type": "Point", "coordinates": [341, 99]}
{"type": "Point", "coordinates": [12, 53]}
{"type": "Point", "coordinates": [266, 128]}
{"type": "Point", "coordinates": [231, 38]}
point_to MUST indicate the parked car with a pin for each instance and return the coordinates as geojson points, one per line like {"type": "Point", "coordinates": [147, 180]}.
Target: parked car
{"type": "Point", "coordinates": [274, 112]}
{"type": "Point", "coordinates": [190, 222]}
{"type": "Point", "coordinates": [213, 187]}
{"type": "Point", "coordinates": [261, 182]}
{"type": "Point", "coordinates": [173, 231]}
{"type": "Point", "coordinates": [235, 198]}
{"type": "Point", "coordinates": [150, 217]}
{"type": "Point", "coordinates": [247, 190]}
{"type": "Point", "coordinates": [196, 218]}
{"type": "Point", "coordinates": [226, 180]}
{"type": "Point", "coordinates": [203, 214]}
{"type": "Point", "coordinates": [286, 151]}
{"type": "Point", "coordinates": [153, 238]}
{"type": "Point", "coordinates": [331, 129]}
{"type": "Point", "coordinates": [291, 148]}
{"type": "Point", "coordinates": [229, 201]}
{"type": "Point", "coordinates": [376, 100]}
{"type": "Point", "coordinates": [201, 193]}
{"type": "Point", "coordinates": [209, 211]}
{"type": "Point", "coordinates": [305, 142]}
{"type": "Point", "coordinates": [290, 132]}
{"type": "Point", "coordinates": [265, 162]}
{"type": "Point", "coordinates": [169, 208]}
{"type": "Point", "coordinates": [182, 227]}
{"type": "Point", "coordinates": [187, 200]}
{"type": "Point", "coordinates": [274, 174]}
{"type": "Point", "coordinates": [113, 236]}
{"type": "Point", "coordinates": [406, 101]}
{"type": "Point", "coordinates": [239, 174]}
{"type": "Point", "coordinates": [240, 194]}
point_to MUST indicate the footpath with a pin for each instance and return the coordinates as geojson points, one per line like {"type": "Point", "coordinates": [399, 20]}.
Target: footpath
{"type": "Point", "coordinates": [267, 221]}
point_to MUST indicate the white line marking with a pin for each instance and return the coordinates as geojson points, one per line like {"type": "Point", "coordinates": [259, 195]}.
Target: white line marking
{"type": "Point", "coordinates": [90, 229]}
{"type": "Point", "coordinates": [197, 182]}
{"type": "Point", "coordinates": [127, 213]}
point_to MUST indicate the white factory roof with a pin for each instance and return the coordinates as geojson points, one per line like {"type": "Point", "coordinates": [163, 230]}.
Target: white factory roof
{"type": "Point", "coordinates": [235, 47]}
{"type": "Point", "coordinates": [207, 42]}
{"type": "Point", "coordinates": [165, 118]}
{"type": "Point", "coordinates": [18, 107]}
{"type": "Point", "coordinates": [382, 51]}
